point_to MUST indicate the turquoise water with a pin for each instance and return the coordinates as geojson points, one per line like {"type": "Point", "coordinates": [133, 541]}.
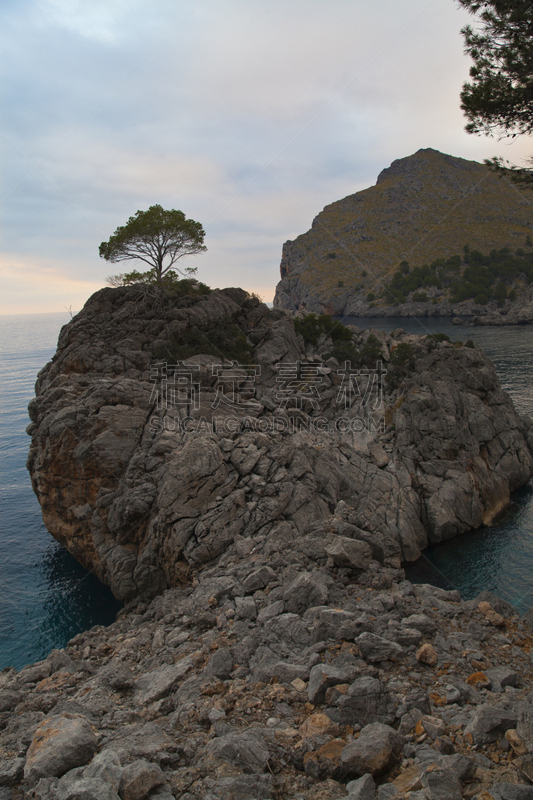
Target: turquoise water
{"type": "Point", "coordinates": [46, 597]}
{"type": "Point", "coordinates": [498, 557]}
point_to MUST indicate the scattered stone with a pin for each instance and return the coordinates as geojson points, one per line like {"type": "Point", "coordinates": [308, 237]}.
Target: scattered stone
{"type": "Point", "coordinates": [443, 784]}
{"type": "Point", "coordinates": [516, 742]}
{"type": "Point", "coordinates": [489, 724]}
{"type": "Point", "coordinates": [303, 592]}
{"type": "Point", "coordinates": [363, 788]}
{"type": "Point", "coordinates": [244, 750]}
{"type": "Point", "coordinates": [375, 751]}
{"type": "Point", "coordinates": [154, 685]}
{"type": "Point", "coordinates": [139, 778]}
{"type": "Point", "coordinates": [376, 648]}
{"type": "Point", "coordinates": [321, 677]}
{"type": "Point", "coordinates": [427, 655]}
{"type": "Point", "coordinates": [350, 553]}
{"type": "Point", "coordinates": [220, 664]}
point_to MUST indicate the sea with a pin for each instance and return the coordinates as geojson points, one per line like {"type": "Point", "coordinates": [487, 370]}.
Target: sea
{"type": "Point", "coordinates": [46, 597]}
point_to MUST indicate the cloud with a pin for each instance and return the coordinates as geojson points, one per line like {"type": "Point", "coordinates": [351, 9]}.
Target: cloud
{"type": "Point", "coordinates": [250, 117]}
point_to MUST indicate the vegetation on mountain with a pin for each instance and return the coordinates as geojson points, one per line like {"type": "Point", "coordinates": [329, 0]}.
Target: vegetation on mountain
{"type": "Point", "coordinates": [425, 206]}
{"type": "Point", "coordinates": [159, 238]}
{"type": "Point", "coordinates": [472, 275]}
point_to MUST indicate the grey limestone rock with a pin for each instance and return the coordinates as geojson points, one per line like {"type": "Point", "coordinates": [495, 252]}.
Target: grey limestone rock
{"type": "Point", "coordinates": [367, 700]}
{"type": "Point", "coordinates": [321, 677]}
{"type": "Point", "coordinates": [443, 784]}
{"type": "Point", "coordinates": [363, 788]}
{"type": "Point", "coordinates": [489, 723]}
{"type": "Point", "coordinates": [245, 787]}
{"type": "Point", "coordinates": [248, 751]}
{"type": "Point", "coordinates": [59, 744]}
{"type": "Point", "coordinates": [388, 791]}
{"type": "Point", "coordinates": [511, 791]}
{"type": "Point", "coordinates": [350, 553]}
{"type": "Point", "coordinates": [141, 500]}
{"type": "Point", "coordinates": [524, 726]}
{"type": "Point", "coordinates": [154, 685]}
{"type": "Point", "coordinates": [220, 663]}
{"type": "Point", "coordinates": [500, 677]}
{"type": "Point", "coordinates": [304, 591]}
{"type": "Point", "coordinates": [139, 778]}
{"type": "Point", "coordinates": [377, 648]}
{"type": "Point", "coordinates": [105, 766]}
{"type": "Point", "coordinates": [11, 771]}
{"type": "Point", "coordinates": [81, 788]}
{"type": "Point", "coordinates": [376, 749]}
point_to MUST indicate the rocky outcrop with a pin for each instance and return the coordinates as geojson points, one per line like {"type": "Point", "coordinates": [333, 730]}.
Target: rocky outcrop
{"type": "Point", "coordinates": [217, 691]}
{"type": "Point", "coordinates": [520, 313]}
{"type": "Point", "coordinates": [290, 659]}
{"type": "Point", "coordinates": [425, 206]}
{"type": "Point", "coordinates": [151, 462]}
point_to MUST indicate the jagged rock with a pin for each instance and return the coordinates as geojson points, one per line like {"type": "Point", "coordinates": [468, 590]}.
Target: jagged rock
{"type": "Point", "coordinates": [363, 788]}
{"type": "Point", "coordinates": [376, 648]}
{"type": "Point", "coordinates": [443, 784]}
{"type": "Point", "coordinates": [220, 663]}
{"type": "Point", "coordinates": [77, 788]}
{"type": "Point", "coordinates": [500, 677]}
{"type": "Point", "coordinates": [524, 726]}
{"type": "Point", "coordinates": [157, 684]}
{"type": "Point", "coordinates": [350, 553]}
{"type": "Point", "coordinates": [305, 591]}
{"type": "Point", "coordinates": [321, 677]}
{"type": "Point", "coordinates": [244, 787]}
{"type": "Point", "coordinates": [367, 700]}
{"type": "Point", "coordinates": [11, 771]}
{"type": "Point", "coordinates": [489, 724]}
{"type": "Point", "coordinates": [117, 675]}
{"type": "Point", "coordinates": [376, 749]}
{"type": "Point", "coordinates": [245, 750]}
{"type": "Point", "coordinates": [139, 778]}
{"type": "Point", "coordinates": [59, 744]}
{"type": "Point", "coordinates": [510, 791]}
{"type": "Point", "coordinates": [106, 767]}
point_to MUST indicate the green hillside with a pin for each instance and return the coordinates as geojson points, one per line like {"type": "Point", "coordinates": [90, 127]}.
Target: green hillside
{"type": "Point", "coordinates": [424, 207]}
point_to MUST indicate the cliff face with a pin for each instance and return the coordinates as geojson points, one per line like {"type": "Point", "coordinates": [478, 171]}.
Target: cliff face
{"type": "Point", "coordinates": [426, 206]}
{"type": "Point", "coordinates": [146, 473]}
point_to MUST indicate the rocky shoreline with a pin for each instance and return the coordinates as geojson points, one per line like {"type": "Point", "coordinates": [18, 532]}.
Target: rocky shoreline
{"type": "Point", "coordinates": [282, 672]}
{"type": "Point", "coordinates": [284, 654]}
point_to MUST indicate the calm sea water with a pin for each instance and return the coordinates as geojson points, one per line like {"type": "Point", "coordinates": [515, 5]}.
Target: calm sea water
{"type": "Point", "coordinates": [46, 597]}
{"type": "Point", "coordinates": [498, 557]}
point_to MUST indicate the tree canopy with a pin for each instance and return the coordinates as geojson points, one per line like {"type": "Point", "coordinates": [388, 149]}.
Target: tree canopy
{"type": "Point", "coordinates": [157, 237]}
{"type": "Point", "coordinates": [498, 100]}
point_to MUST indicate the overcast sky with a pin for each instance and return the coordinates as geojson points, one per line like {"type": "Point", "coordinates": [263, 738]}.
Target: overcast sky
{"type": "Point", "coordinates": [248, 115]}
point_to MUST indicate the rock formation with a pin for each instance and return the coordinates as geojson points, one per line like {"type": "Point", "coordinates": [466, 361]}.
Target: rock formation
{"type": "Point", "coordinates": [150, 462]}
{"type": "Point", "coordinates": [290, 660]}
{"type": "Point", "coordinates": [426, 206]}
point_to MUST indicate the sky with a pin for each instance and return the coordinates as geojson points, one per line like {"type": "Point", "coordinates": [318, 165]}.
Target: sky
{"type": "Point", "coordinates": [248, 115]}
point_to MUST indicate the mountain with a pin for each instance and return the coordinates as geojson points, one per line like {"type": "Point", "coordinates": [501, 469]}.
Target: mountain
{"type": "Point", "coordinates": [423, 207]}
